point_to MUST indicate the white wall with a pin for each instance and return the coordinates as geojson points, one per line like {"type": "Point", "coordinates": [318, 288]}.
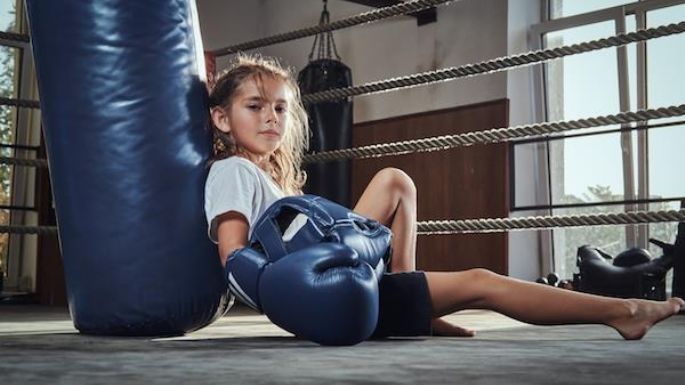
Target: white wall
{"type": "Point", "coordinates": [389, 48]}
{"type": "Point", "coordinates": [526, 248]}
{"type": "Point", "coordinates": [467, 31]}
{"type": "Point", "coordinates": [223, 23]}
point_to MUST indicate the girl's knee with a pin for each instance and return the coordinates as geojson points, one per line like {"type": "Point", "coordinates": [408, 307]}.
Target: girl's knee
{"type": "Point", "coordinates": [397, 180]}
{"type": "Point", "coordinates": [481, 274]}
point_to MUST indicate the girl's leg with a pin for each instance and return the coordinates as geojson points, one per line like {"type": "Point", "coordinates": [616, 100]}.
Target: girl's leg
{"type": "Point", "coordinates": [390, 198]}
{"type": "Point", "coordinates": [543, 305]}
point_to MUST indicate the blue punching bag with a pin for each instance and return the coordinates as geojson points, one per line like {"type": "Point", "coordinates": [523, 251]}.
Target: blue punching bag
{"type": "Point", "coordinates": [125, 122]}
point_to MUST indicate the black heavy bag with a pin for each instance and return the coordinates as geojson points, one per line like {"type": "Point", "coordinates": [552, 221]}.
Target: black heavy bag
{"type": "Point", "coordinates": [636, 275]}
{"type": "Point", "coordinates": [331, 127]}
{"type": "Point", "coordinates": [125, 121]}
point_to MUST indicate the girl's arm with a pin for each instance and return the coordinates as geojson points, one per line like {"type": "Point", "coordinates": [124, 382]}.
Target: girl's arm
{"type": "Point", "coordinates": [232, 229]}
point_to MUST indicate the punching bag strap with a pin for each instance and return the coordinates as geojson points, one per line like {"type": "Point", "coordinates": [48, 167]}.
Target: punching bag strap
{"type": "Point", "coordinates": [323, 42]}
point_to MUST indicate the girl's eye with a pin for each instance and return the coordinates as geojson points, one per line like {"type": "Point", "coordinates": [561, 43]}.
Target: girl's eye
{"type": "Point", "coordinates": [281, 109]}
{"type": "Point", "coordinates": [254, 107]}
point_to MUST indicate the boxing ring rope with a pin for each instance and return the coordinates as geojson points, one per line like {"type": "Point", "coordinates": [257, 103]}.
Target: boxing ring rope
{"type": "Point", "coordinates": [494, 65]}
{"type": "Point", "coordinates": [363, 18]}
{"type": "Point", "coordinates": [487, 225]}
{"type": "Point", "coordinates": [468, 70]}
{"type": "Point", "coordinates": [451, 141]}
{"type": "Point", "coordinates": [400, 9]}
{"type": "Point", "coordinates": [38, 163]}
{"type": "Point", "coordinates": [545, 222]}
{"type": "Point", "coordinates": [495, 135]}
{"type": "Point", "coordinates": [446, 142]}
{"type": "Point", "coordinates": [19, 103]}
{"type": "Point", "coordinates": [40, 230]}
{"type": "Point", "coordinates": [13, 36]}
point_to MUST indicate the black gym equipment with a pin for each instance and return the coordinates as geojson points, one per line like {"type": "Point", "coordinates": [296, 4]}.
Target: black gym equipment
{"type": "Point", "coordinates": [553, 278]}
{"type": "Point", "coordinates": [330, 122]}
{"type": "Point", "coordinates": [633, 273]}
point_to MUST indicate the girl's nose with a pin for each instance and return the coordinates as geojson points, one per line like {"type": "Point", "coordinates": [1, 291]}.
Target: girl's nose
{"type": "Point", "coordinates": [272, 116]}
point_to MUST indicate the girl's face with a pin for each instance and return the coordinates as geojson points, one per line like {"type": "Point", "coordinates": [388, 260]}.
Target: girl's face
{"type": "Point", "coordinates": [257, 117]}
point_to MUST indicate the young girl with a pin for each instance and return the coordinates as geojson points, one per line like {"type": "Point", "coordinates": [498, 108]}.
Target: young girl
{"type": "Point", "coordinates": [260, 135]}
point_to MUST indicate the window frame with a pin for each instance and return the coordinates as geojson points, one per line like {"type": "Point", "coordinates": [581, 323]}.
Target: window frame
{"type": "Point", "coordinates": [21, 213]}
{"type": "Point", "coordinates": [635, 235]}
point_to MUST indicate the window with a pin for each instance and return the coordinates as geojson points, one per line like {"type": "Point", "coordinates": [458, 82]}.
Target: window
{"type": "Point", "coordinates": [610, 168]}
{"type": "Point", "coordinates": [19, 138]}
{"type": "Point", "coordinates": [8, 89]}
{"type": "Point", "coordinates": [8, 117]}
{"type": "Point", "coordinates": [564, 8]}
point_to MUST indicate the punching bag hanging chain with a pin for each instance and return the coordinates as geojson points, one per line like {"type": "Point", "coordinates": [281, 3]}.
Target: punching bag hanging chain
{"type": "Point", "coordinates": [324, 43]}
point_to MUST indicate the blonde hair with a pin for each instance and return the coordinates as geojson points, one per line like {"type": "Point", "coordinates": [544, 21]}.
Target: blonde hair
{"type": "Point", "coordinates": [285, 162]}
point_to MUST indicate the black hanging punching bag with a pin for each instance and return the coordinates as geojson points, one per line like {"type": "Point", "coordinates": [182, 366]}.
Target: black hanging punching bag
{"type": "Point", "coordinates": [330, 122]}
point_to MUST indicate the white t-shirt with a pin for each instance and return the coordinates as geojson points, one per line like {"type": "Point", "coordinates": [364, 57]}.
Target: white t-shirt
{"type": "Point", "coordinates": [236, 184]}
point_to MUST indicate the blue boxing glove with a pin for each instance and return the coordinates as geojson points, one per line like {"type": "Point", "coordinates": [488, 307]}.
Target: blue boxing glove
{"type": "Point", "coordinates": [297, 222]}
{"type": "Point", "coordinates": [244, 268]}
{"type": "Point", "coordinates": [312, 266]}
{"type": "Point", "coordinates": [323, 293]}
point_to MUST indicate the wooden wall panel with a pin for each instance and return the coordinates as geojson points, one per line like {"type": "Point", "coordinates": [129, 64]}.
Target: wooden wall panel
{"type": "Point", "coordinates": [461, 183]}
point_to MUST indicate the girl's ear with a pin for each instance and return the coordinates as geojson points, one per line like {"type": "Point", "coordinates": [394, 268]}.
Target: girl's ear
{"type": "Point", "coordinates": [220, 119]}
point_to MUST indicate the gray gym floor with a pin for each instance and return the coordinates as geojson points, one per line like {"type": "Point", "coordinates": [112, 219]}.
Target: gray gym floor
{"type": "Point", "coordinates": [39, 345]}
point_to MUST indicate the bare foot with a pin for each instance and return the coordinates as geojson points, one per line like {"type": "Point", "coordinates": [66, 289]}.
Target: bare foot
{"type": "Point", "coordinates": [443, 328]}
{"type": "Point", "coordinates": [642, 315]}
